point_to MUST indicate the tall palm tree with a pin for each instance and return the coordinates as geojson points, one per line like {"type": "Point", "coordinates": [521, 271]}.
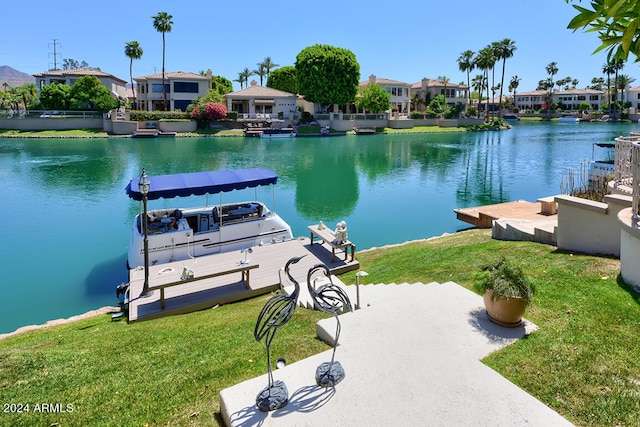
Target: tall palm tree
{"type": "Point", "coordinates": [245, 75]}
{"type": "Point", "coordinates": [445, 81]}
{"type": "Point", "coordinates": [133, 51]}
{"type": "Point", "coordinates": [268, 65]}
{"type": "Point", "coordinates": [240, 80]}
{"type": "Point", "coordinates": [513, 86]}
{"type": "Point", "coordinates": [261, 71]}
{"type": "Point", "coordinates": [485, 61]}
{"type": "Point", "coordinates": [505, 49]}
{"type": "Point", "coordinates": [552, 70]}
{"type": "Point", "coordinates": [618, 65]}
{"type": "Point", "coordinates": [163, 24]}
{"type": "Point", "coordinates": [465, 64]}
{"type": "Point", "coordinates": [478, 85]}
{"type": "Point", "coordinates": [608, 69]}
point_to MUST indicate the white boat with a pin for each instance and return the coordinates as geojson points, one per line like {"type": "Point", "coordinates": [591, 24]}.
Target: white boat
{"type": "Point", "coordinates": [278, 133]}
{"type": "Point", "coordinates": [603, 168]}
{"type": "Point", "coordinates": [568, 119]}
{"type": "Point", "coordinates": [177, 234]}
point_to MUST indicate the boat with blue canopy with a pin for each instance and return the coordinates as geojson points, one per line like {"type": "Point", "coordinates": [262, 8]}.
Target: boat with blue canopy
{"type": "Point", "coordinates": [181, 233]}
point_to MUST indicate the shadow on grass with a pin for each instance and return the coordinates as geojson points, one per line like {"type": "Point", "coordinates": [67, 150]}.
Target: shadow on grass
{"type": "Point", "coordinates": [628, 288]}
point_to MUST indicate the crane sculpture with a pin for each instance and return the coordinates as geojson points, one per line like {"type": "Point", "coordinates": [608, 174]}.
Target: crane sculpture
{"type": "Point", "coordinates": [329, 298]}
{"type": "Point", "coordinates": [276, 312]}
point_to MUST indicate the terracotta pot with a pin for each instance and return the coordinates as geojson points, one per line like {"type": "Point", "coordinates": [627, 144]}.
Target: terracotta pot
{"type": "Point", "coordinates": [505, 311]}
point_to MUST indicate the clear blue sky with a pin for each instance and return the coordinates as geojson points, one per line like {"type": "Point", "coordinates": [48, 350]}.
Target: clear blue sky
{"type": "Point", "coordinates": [404, 41]}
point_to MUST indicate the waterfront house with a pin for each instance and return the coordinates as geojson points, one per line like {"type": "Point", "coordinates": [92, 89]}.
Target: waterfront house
{"type": "Point", "coordinates": [427, 89]}
{"type": "Point", "coordinates": [262, 102]}
{"type": "Point", "coordinates": [531, 100]}
{"type": "Point", "coordinates": [571, 99]}
{"type": "Point", "coordinates": [181, 89]}
{"type": "Point", "coordinates": [68, 77]}
{"type": "Point", "coordinates": [400, 93]}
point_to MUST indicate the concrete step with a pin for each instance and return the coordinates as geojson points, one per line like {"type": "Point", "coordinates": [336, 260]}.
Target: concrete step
{"type": "Point", "coordinates": [541, 231]}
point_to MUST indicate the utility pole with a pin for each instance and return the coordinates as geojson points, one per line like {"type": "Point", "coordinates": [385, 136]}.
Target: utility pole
{"type": "Point", "coordinates": [55, 44]}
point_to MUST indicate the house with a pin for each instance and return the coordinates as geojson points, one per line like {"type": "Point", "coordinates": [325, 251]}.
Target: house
{"type": "Point", "coordinates": [262, 102]}
{"type": "Point", "coordinates": [400, 92]}
{"type": "Point", "coordinates": [181, 89]}
{"type": "Point", "coordinates": [68, 77]}
{"type": "Point", "coordinates": [427, 89]}
{"type": "Point", "coordinates": [571, 99]}
{"type": "Point", "coordinates": [532, 100]}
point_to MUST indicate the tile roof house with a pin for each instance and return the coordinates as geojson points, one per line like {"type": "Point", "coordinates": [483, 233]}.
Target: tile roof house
{"type": "Point", "coordinates": [68, 77]}
{"type": "Point", "coordinates": [181, 89]}
{"type": "Point", "coordinates": [262, 102]}
{"type": "Point", "coordinates": [427, 89]}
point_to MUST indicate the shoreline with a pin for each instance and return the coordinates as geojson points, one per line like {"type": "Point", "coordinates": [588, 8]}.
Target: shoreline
{"type": "Point", "coordinates": [114, 309]}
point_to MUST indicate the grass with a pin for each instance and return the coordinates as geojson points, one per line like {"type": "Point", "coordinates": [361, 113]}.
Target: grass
{"type": "Point", "coordinates": [56, 133]}
{"type": "Point", "coordinates": [583, 362]}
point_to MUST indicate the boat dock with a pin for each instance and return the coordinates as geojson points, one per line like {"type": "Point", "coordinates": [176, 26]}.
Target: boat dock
{"type": "Point", "coordinates": [226, 277]}
{"type": "Point", "coordinates": [483, 216]}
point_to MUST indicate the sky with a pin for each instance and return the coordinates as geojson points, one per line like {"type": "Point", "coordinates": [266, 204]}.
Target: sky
{"type": "Point", "coordinates": [404, 41]}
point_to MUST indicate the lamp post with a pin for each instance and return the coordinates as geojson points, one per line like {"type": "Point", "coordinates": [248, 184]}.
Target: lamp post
{"type": "Point", "coordinates": [358, 275]}
{"type": "Point", "coordinates": [143, 186]}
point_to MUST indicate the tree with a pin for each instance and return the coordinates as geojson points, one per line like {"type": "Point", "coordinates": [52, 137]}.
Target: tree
{"type": "Point", "coordinates": [245, 76]}
{"type": "Point", "coordinates": [513, 86]}
{"type": "Point", "coordinates": [466, 65]}
{"type": "Point", "coordinates": [284, 79]}
{"type": "Point", "coordinates": [552, 70]}
{"type": "Point", "coordinates": [597, 83]}
{"type": "Point", "coordinates": [485, 60]}
{"type": "Point", "coordinates": [240, 79]}
{"type": "Point", "coordinates": [133, 51]}
{"type": "Point", "coordinates": [438, 106]}
{"type": "Point", "coordinates": [55, 97]}
{"type": "Point", "coordinates": [89, 92]}
{"type": "Point", "coordinates": [373, 97]}
{"type": "Point", "coordinates": [163, 24]}
{"type": "Point", "coordinates": [327, 74]}
{"type": "Point", "coordinates": [617, 23]}
{"type": "Point", "coordinates": [505, 49]}
{"type": "Point", "coordinates": [222, 85]}
{"type": "Point", "coordinates": [28, 93]}
{"type": "Point", "coordinates": [478, 86]}
{"type": "Point", "coordinates": [268, 65]}
{"type": "Point", "coordinates": [622, 82]}
{"type": "Point", "coordinates": [72, 64]}
{"type": "Point", "coordinates": [261, 72]}
{"type": "Point", "coordinates": [445, 81]}
{"type": "Point", "coordinates": [608, 69]}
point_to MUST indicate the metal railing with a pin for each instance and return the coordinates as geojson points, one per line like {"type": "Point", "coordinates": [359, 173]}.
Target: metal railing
{"type": "Point", "coordinates": [623, 163]}
{"type": "Point", "coordinates": [58, 114]}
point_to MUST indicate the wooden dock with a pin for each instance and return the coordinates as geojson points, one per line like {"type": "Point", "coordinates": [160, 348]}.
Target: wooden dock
{"type": "Point", "coordinates": [196, 294]}
{"type": "Point", "coordinates": [483, 216]}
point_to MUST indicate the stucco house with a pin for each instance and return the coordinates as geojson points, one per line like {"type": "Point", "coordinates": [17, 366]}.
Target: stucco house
{"type": "Point", "coordinates": [570, 99]}
{"type": "Point", "coordinates": [181, 88]}
{"type": "Point", "coordinates": [68, 77]}
{"type": "Point", "coordinates": [262, 102]}
{"type": "Point", "coordinates": [427, 89]}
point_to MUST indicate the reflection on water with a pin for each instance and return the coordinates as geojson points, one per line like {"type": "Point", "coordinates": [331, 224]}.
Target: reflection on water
{"type": "Point", "coordinates": [66, 217]}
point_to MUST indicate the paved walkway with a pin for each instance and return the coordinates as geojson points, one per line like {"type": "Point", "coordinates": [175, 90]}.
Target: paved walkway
{"type": "Point", "coordinates": [412, 357]}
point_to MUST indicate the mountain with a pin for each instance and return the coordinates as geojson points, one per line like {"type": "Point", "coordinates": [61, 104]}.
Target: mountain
{"type": "Point", "coordinates": [13, 77]}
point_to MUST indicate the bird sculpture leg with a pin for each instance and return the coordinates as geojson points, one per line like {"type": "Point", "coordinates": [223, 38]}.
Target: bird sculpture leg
{"type": "Point", "coordinates": [275, 395]}
{"type": "Point", "coordinates": [328, 374]}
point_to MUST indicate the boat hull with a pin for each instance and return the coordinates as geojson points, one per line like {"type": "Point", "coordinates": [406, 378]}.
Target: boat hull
{"type": "Point", "coordinates": [204, 231]}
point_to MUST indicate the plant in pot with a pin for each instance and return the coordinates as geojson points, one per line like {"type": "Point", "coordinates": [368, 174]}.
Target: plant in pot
{"type": "Point", "coordinates": [507, 292]}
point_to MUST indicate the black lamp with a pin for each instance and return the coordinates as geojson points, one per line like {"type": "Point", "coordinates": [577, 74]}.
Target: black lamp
{"type": "Point", "coordinates": [143, 186]}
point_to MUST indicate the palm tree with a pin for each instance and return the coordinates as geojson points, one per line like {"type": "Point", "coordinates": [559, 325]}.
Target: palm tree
{"type": "Point", "coordinates": [240, 79]}
{"type": "Point", "coordinates": [268, 65]}
{"type": "Point", "coordinates": [478, 85]}
{"type": "Point", "coordinates": [618, 65]}
{"type": "Point", "coordinates": [245, 75]}
{"type": "Point", "coordinates": [261, 71]}
{"type": "Point", "coordinates": [505, 49]}
{"type": "Point", "coordinates": [513, 86]}
{"type": "Point", "coordinates": [608, 69]}
{"type": "Point", "coordinates": [445, 80]}
{"type": "Point", "coordinates": [133, 51]}
{"type": "Point", "coordinates": [552, 70]}
{"type": "Point", "coordinates": [621, 84]}
{"type": "Point", "coordinates": [465, 64]}
{"type": "Point", "coordinates": [485, 60]}
{"type": "Point", "coordinates": [163, 24]}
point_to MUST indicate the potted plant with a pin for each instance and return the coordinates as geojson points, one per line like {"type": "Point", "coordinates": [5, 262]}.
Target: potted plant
{"type": "Point", "coordinates": [506, 290]}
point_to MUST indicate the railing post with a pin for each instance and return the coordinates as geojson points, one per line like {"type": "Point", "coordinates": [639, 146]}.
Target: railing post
{"type": "Point", "coordinates": [635, 185]}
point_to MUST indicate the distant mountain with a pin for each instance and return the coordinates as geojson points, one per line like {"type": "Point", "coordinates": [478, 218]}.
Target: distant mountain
{"type": "Point", "coordinates": [13, 77]}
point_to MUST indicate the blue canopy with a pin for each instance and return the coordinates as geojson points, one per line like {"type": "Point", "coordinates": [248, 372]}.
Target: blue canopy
{"type": "Point", "coordinates": [200, 183]}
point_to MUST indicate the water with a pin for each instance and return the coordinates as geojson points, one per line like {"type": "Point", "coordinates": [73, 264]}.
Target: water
{"type": "Point", "coordinates": [66, 218]}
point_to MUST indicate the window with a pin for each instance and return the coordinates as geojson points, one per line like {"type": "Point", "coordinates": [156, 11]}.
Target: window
{"type": "Point", "coordinates": [593, 97]}
{"type": "Point", "coordinates": [181, 104]}
{"type": "Point", "coordinates": [157, 87]}
{"type": "Point", "coordinates": [185, 87]}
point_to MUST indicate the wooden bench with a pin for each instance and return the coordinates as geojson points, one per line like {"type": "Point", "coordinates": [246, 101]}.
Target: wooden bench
{"type": "Point", "coordinates": [170, 279]}
{"type": "Point", "coordinates": [327, 236]}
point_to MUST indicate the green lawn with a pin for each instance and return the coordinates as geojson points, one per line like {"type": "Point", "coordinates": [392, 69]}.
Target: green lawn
{"type": "Point", "coordinates": [583, 361]}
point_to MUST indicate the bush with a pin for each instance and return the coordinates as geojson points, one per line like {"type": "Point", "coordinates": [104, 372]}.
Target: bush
{"type": "Point", "coordinates": [143, 116]}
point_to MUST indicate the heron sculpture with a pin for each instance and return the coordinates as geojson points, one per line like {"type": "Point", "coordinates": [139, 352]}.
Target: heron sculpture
{"type": "Point", "coordinates": [276, 312]}
{"type": "Point", "coordinates": [329, 298]}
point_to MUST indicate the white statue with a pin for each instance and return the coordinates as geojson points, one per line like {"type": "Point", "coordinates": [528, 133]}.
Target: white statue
{"type": "Point", "coordinates": [341, 232]}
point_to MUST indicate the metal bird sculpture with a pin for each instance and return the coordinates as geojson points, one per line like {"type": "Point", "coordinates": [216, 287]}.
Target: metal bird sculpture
{"type": "Point", "coordinates": [276, 312]}
{"type": "Point", "coordinates": [331, 299]}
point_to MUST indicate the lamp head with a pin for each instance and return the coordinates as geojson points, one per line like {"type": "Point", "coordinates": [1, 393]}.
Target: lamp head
{"type": "Point", "coordinates": [144, 183]}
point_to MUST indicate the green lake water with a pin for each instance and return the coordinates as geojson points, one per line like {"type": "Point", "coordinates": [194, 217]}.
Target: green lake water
{"type": "Point", "coordinates": [66, 217]}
